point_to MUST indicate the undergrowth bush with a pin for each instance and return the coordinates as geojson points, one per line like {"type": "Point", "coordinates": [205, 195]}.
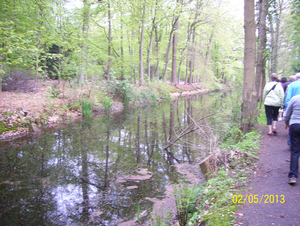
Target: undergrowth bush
{"type": "Point", "coordinates": [185, 198]}
{"type": "Point", "coordinates": [86, 109]}
{"type": "Point", "coordinates": [53, 90]}
{"type": "Point", "coordinates": [246, 143]}
{"type": "Point", "coordinates": [162, 89]}
{"type": "Point", "coordinates": [107, 103]}
{"type": "Point", "coordinates": [120, 90]}
{"type": "Point", "coordinates": [18, 80]}
{"type": "Point", "coordinates": [215, 202]}
{"type": "Point", "coordinates": [261, 118]}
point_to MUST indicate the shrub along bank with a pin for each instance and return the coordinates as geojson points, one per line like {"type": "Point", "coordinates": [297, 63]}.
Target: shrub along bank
{"type": "Point", "coordinates": [217, 200]}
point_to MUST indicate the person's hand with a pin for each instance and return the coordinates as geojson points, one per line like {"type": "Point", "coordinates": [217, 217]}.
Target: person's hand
{"type": "Point", "coordinates": [287, 127]}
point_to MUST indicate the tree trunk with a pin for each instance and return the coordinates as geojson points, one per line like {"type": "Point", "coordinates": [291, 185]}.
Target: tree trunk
{"type": "Point", "coordinates": [45, 63]}
{"type": "Point", "coordinates": [174, 53]}
{"type": "Point", "coordinates": [37, 58]}
{"type": "Point", "coordinates": [122, 50]}
{"type": "Point", "coordinates": [141, 72]}
{"type": "Point", "coordinates": [138, 154]}
{"type": "Point", "coordinates": [1, 77]}
{"type": "Point", "coordinates": [191, 55]}
{"type": "Point", "coordinates": [208, 52]}
{"type": "Point", "coordinates": [85, 30]}
{"type": "Point", "coordinates": [109, 42]}
{"type": "Point", "coordinates": [249, 91]}
{"type": "Point", "coordinates": [157, 52]}
{"type": "Point", "coordinates": [168, 51]}
{"type": "Point", "coordinates": [150, 43]}
{"type": "Point", "coordinates": [261, 44]}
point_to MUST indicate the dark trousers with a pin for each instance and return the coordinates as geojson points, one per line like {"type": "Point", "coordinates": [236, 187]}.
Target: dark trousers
{"type": "Point", "coordinates": [271, 113]}
{"type": "Point", "coordinates": [294, 132]}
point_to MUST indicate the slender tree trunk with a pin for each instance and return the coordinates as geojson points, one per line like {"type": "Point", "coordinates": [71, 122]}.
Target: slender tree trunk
{"type": "Point", "coordinates": [191, 55]}
{"type": "Point", "coordinates": [59, 64]}
{"type": "Point", "coordinates": [174, 53]}
{"type": "Point", "coordinates": [106, 184]}
{"type": "Point", "coordinates": [45, 63]}
{"type": "Point", "coordinates": [1, 77]}
{"type": "Point", "coordinates": [109, 42]}
{"type": "Point", "coordinates": [249, 90]}
{"type": "Point", "coordinates": [168, 51]}
{"type": "Point", "coordinates": [122, 50]}
{"type": "Point", "coordinates": [157, 52]}
{"type": "Point", "coordinates": [141, 72]}
{"type": "Point", "coordinates": [37, 59]}
{"type": "Point", "coordinates": [277, 37]}
{"type": "Point", "coordinates": [138, 154]}
{"type": "Point", "coordinates": [209, 47]}
{"type": "Point", "coordinates": [150, 43]}
{"type": "Point", "coordinates": [186, 72]}
{"type": "Point", "coordinates": [85, 30]}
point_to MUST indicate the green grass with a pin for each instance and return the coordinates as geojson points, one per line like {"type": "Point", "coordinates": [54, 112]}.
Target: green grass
{"type": "Point", "coordinates": [86, 109]}
{"type": "Point", "coordinates": [261, 118]}
{"type": "Point", "coordinates": [5, 128]}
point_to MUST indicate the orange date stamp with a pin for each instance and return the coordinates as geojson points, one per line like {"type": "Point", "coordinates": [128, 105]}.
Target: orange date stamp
{"type": "Point", "coordinates": [258, 199]}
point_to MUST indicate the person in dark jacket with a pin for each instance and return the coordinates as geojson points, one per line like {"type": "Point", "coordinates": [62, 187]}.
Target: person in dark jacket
{"type": "Point", "coordinates": [283, 80]}
{"type": "Point", "coordinates": [292, 79]}
{"type": "Point", "coordinates": [292, 120]}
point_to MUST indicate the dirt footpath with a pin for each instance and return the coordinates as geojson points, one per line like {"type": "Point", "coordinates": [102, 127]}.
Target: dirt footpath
{"type": "Point", "coordinates": [270, 178]}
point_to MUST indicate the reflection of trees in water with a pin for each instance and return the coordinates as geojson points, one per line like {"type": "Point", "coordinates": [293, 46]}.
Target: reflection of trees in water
{"type": "Point", "coordinates": [82, 164]}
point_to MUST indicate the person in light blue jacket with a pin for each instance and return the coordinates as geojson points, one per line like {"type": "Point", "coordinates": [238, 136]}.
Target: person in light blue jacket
{"type": "Point", "coordinates": [272, 97]}
{"type": "Point", "coordinates": [292, 90]}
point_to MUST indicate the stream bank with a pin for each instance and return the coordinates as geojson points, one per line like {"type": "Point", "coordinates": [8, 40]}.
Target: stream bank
{"type": "Point", "coordinates": [53, 105]}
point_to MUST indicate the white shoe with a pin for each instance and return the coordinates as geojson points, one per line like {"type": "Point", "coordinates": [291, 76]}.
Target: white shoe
{"type": "Point", "coordinates": [280, 119]}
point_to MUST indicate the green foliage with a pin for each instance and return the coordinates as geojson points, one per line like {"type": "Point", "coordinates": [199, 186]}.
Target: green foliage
{"type": "Point", "coordinates": [107, 103]}
{"type": "Point", "coordinates": [216, 199]}
{"type": "Point", "coordinates": [86, 109]}
{"type": "Point", "coordinates": [121, 90]}
{"type": "Point", "coordinates": [216, 205]}
{"type": "Point", "coordinates": [162, 220]}
{"type": "Point", "coordinates": [74, 105]}
{"type": "Point", "coordinates": [262, 118]}
{"type": "Point", "coordinates": [145, 95]}
{"type": "Point", "coordinates": [235, 139]}
{"type": "Point", "coordinates": [5, 128]}
{"type": "Point", "coordinates": [53, 90]}
{"type": "Point", "coordinates": [138, 211]}
{"type": "Point", "coordinates": [185, 198]}
{"type": "Point", "coordinates": [163, 90]}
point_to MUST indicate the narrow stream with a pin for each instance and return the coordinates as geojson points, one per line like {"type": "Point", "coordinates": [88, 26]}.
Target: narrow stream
{"type": "Point", "coordinates": [95, 172]}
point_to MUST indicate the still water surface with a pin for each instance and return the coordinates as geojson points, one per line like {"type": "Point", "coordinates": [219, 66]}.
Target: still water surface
{"type": "Point", "coordinates": [80, 175]}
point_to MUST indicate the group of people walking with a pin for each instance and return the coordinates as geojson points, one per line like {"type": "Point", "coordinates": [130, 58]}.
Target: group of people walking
{"type": "Point", "coordinates": [283, 98]}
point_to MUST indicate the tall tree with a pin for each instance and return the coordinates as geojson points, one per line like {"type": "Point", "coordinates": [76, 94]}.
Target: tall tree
{"type": "Point", "coordinates": [175, 43]}
{"type": "Point", "coordinates": [109, 41]}
{"type": "Point", "coordinates": [249, 91]}
{"type": "Point", "coordinates": [142, 45]}
{"type": "Point", "coordinates": [85, 31]}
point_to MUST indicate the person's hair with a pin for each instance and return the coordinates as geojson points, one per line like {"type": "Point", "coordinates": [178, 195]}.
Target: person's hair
{"type": "Point", "coordinates": [297, 76]}
{"type": "Point", "coordinates": [274, 77]}
{"type": "Point", "coordinates": [292, 78]}
{"type": "Point", "coordinates": [283, 80]}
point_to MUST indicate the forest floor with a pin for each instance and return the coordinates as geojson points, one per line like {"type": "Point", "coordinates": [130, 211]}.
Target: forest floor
{"type": "Point", "coordinates": [278, 202]}
{"type": "Point", "coordinates": [41, 110]}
